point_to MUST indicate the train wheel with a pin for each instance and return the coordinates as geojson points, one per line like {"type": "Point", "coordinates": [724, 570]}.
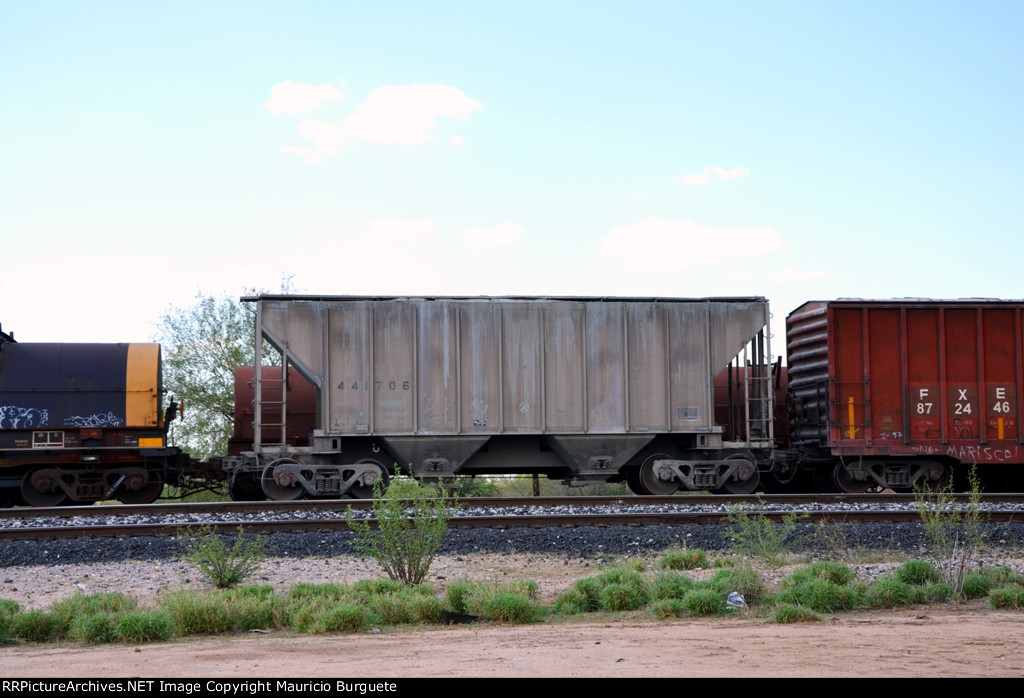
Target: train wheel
{"type": "Point", "coordinates": [147, 494]}
{"type": "Point", "coordinates": [649, 481]}
{"type": "Point", "coordinates": [847, 483]}
{"type": "Point", "coordinates": [281, 491]}
{"type": "Point", "coordinates": [737, 486]}
{"type": "Point", "coordinates": [364, 490]}
{"type": "Point", "coordinates": [39, 489]}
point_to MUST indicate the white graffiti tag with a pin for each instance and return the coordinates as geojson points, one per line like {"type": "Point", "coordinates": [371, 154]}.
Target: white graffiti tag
{"type": "Point", "coordinates": [95, 420]}
{"type": "Point", "coordinates": [14, 417]}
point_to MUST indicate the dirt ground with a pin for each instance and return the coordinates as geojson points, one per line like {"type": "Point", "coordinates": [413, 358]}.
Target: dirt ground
{"type": "Point", "coordinates": [945, 640]}
{"type": "Point", "coordinates": [920, 642]}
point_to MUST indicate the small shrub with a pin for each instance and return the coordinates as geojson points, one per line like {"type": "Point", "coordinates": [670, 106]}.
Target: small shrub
{"type": "Point", "coordinates": [199, 614]}
{"type": "Point", "coordinates": [370, 587]}
{"type": "Point", "coordinates": [145, 626]}
{"type": "Point", "coordinates": [457, 596]}
{"type": "Point", "coordinates": [515, 603]}
{"type": "Point", "coordinates": [67, 610]}
{"type": "Point", "coordinates": [222, 565]}
{"type": "Point", "coordinates": [684, 560]}
{"type": "Point", "coordinates": [669, 608]}
{"type": "Point", "coordinates": [833, 572]}
{"type": "Point", "coordinates": [743, 579]}
{"type": "Point", "coordinates": [426, 609]}
{"type": "Point", "coordinates": [758, 535]}
{"type": "Point", "coordinates": [670, 585]}
{"type": "Point", "coordinates": [889, 592]}
{"type": "Point", "coordinates": [328, 591]}
{"type": "Point", "coordinates": [35, 625]}
{"type": "Point", "coordinates": [1006, 597]}
{"type": "Point", "coordinates": [412, 521]}
{"type": "Point", "coordinates": [93, 628]}
{"type": "Point", "coordinates": [342, 617]}
{"type": "Point", "coordinates": [590, 589]}
{"type": "Point", "coordinates": [975, 586]}
{"type": "Point", "coordinates": [954, 531]}
{"type": "Point", "coordinates": [794, 613]}
{"type": "Point", "coordinates": [703, 602]}
{"type": "Point", "coordinates": [621, 597]}
{"type": "Point", "coordinates": [820, 595]}
{"type": "Point", "coordinates": [510, 607]}
{"type": "Point", "coordinates": [917, 572]}
{"type": "Point", "coordinates": [573, 602]}
{"type": "Point", "coordinates": [930, 593]}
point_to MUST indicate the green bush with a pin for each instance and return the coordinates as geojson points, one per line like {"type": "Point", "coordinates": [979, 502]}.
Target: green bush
{"type": "Point", "coordinates": [670, 585]}
{"type": "Point", "coordinates": [743, 579]}
{"type": "Point", "coordinates": [35, 625]}
{"type": "Point", "coordinates": [198, 613]}
{"type": "Point", "coordinates": [573, 601]}
{"type": "Point", "coordinates": [930, 593]}
{"type": "Point", "coordinates": [621, 597]}
{"type": "Point", "coordinates": [820, 595]}
{"type": "Point", "coordinates": [145, 626]}
{"type": "Point", "coordinates": [1006, 597]}
{"type": "Point", "coordinates": [222, 565]}
{"type": "Point", "coordinates": [669, 608]}
{"type": "Point", "coordinates": [94, 628]}
{"type": "Point", "coordinates": [510, 607]}
{"type": "Point", "coordinates": [684, 560]}
{"type": "Point", "coordinates": [953, 530]}
{"type": "Point", "coordinates": [411, 522]}
{"type": "Point", "coordinates": [457, 596]}
{"type": "Point", "coordinates": [917, 572]}
{"type": "Point", "coordinates": [833, 572]}
{"type": "Point", "coordinates": [513, 603]}
{"type": "Point", "coordinates": [794, 613]}
{"type": "Point", "coordinates": [889, 592]}
{"type": "Point", "coordinates": [340, 617]}
{"type": "Point", "coordinates": [331, 590]}
{"type": "Point", "coordinates": [756, 534]}
{"type": "Point", "coordinates": [703, 602]}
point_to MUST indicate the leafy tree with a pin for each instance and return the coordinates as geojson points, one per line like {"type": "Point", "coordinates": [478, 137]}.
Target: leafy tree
{"type": "Point", "coordinates": [202, 345]}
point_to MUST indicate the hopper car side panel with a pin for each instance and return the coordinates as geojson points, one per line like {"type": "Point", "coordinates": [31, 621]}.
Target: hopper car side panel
{"type": "Point", "coordinates": [570, 387]}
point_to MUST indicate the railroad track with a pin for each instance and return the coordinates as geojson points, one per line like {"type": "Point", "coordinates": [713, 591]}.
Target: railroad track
{"type": "Point", "coordinates": [314, 516]}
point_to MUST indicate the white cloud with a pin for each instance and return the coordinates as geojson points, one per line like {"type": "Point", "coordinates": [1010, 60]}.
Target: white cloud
{"type": "Point", "coordinates": [655, 243]}
{"type": "Point", "coordinates": [788, 274]}
{"type": "Point", "coordinates": [300, 98]}
{"type": "Point", "coordinates": [393, 115]}
{"type": "Point", "coordinates": [638, 194]}
{"type": "Point", "coordinates": [710, 172]}
{"type": "Point", "coordinates": [478, 237]}
{"type": "Point", "coordinates": [457, 141]}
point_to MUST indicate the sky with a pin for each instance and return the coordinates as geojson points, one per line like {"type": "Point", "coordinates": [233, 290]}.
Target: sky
{"type": "Point", "coordinates": [150, 152]}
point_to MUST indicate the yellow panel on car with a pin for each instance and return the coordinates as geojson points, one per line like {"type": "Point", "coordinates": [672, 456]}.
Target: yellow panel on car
{"type": "Point", "coordinates": [142, 380]}
{"type": "Point", "coordinates": [151, 442]}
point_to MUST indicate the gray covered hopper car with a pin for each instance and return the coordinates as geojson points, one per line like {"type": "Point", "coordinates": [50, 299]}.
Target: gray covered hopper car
{"type": "Point", "coordinates": [582, 389]}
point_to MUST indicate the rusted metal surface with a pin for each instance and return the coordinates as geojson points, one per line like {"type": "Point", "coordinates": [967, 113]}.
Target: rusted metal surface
{"type": "Point", "coordinates": [939, 379]}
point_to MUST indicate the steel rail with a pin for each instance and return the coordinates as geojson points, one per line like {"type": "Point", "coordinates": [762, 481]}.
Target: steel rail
{"type": "Point", "coordinates": [469, 522]}
{"type": "Point", "coordinates": [484, 502]}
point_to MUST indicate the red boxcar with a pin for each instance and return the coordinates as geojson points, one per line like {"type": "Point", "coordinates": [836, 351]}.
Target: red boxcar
{"type": "Point", "coordinates": [897, 392]}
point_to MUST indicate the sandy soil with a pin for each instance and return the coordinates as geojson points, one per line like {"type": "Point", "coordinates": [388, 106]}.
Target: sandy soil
{"type": "Point", "coordinates": [933, 641]}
